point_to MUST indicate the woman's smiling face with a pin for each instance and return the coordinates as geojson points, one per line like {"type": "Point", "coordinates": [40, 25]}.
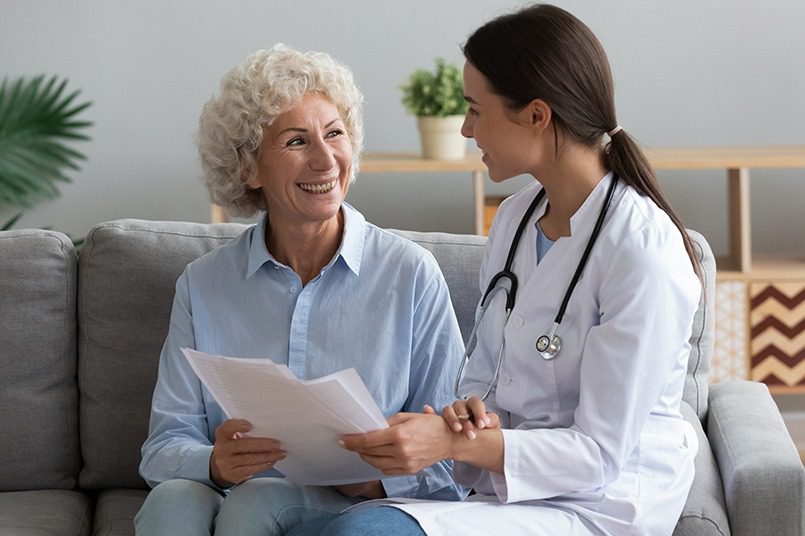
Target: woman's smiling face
{"type": "Point", "coordinates": [305, 163]}
{"type": "Point", "coordinates": [505, 137]}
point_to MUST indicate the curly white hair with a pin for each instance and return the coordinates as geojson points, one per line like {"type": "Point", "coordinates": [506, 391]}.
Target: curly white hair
{"type": "Point", "coordinates": [251, 96]}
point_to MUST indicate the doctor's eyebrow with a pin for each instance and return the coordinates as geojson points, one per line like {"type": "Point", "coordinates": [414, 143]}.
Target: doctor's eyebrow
{"type": "Point", "coordinates": [469, 99]}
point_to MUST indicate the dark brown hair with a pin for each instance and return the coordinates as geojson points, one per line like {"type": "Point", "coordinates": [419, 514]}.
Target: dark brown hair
{"type": "Point", "coordinates": [544, 52]}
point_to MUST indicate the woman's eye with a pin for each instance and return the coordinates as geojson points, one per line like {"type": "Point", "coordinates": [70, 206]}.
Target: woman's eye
{"type": "Point", "coordinates": [295, 141]}
{"type": "Point", "coordinates": [335, 133]}
{"type": "Point", "coordinates": [472, 111]}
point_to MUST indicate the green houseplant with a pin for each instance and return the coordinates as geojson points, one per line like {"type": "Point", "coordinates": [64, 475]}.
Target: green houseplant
{"type": "Point", "coordinates": [37, 120]}
{"type": "Point", "coordinates": [436, 98]}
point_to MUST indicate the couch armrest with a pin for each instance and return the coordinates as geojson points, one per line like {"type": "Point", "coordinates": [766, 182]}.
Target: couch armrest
{"type": "Point", "coordinates": [763, 476]}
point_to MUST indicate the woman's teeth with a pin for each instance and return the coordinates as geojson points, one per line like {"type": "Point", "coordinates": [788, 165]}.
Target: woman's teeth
{"type": "Point", "coordinates": [319, 188]}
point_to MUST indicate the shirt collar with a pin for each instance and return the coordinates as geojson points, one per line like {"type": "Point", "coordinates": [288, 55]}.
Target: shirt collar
{"type": "Point", "coordinates": [591, 205]}
{"type": "Point", "coordinates": [350, 250]}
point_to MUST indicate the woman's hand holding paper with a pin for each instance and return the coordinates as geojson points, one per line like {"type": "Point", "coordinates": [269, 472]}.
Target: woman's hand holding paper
{"type": "Point", "coordinates": [236, 458]}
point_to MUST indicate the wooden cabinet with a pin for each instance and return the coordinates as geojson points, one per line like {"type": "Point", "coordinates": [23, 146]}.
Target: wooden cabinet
{"type": "Point", "coordinates": [760, 298]}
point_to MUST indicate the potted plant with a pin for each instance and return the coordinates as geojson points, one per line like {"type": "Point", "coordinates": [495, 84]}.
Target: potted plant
{"type": "Point", "coordinates": [37, 117]}
{"type": "Point", "coordinates": [436, 98]}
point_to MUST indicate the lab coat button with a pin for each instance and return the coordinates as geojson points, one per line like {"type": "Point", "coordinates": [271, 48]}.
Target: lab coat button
{"type": "Point", "coordinates": [517, 321]}
{"type": "Point", "coordinates": [292, 290]}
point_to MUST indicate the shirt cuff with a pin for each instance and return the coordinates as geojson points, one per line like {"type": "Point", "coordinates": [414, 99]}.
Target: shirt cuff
{"type": "Point", "coordinates": [400, 486]}
{"type": "Point", "coordinates": [196, 465]}
{"type": "Point", "coordinates": [499, 481]}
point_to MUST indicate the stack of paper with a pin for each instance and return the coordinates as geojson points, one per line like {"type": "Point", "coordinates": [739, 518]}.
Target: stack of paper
{"type": "Point", "coordinates": [308, 417]}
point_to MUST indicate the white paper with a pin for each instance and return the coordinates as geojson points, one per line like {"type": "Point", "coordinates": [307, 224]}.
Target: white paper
{"type": "Point", "coordinates": [307, 417]}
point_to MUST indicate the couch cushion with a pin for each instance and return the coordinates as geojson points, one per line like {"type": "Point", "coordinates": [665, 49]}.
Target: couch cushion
{"type": "Point", "coordinates": [702, 338]}
{"type": "Point", "coordinates": [459, 257]}
{"type": "Point", "coordinates": [115, 511]}
{"type": "Point", "coordinates": [127, 274]}
{"type": "Point", "coordinates": [705, 512]}
{"type": "Point", "coordinates": [38, 392]}
{"type": "Point", "coordinates": [44, 513]}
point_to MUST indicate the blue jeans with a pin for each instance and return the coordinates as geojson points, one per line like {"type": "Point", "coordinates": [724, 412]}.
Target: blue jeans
{"type": "Point", "coordinates": [258, 507]}
{"type": "Point", "coordinates": [378, 521]}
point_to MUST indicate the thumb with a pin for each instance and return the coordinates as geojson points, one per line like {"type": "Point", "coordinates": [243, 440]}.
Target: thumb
{"type": "Point", "coordinates": [399, 418]}
{"type": "Point", "coordinates": [230, 427]}
{"type": "Point", "coordinates": [428, 410]}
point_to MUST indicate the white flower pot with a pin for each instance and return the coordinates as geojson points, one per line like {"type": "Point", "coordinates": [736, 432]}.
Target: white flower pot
{"type": "Point", "coordinates": [441, 137]}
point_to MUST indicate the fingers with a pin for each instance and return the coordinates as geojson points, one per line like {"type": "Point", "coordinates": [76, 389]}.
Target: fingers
{"type": "Point", "coordinates": [428, 410]}
{"type": "Point", "coordinates": [477, 409]}
{"type": "Point", "coordinates": [236, 458]}
{"type": "Point", "coordinates": [469, 416]}
{"type": "Point", "coordinates": [493, 420]}
{"type": "Point", "coordinates": [366, 441]}
{"type": "Point", "coordinates": [453, 418]}
{"type": "Point", "coordinates": [460, 418]}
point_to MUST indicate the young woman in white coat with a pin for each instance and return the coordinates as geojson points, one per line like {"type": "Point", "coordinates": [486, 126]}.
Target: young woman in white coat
{"type": "Point", "coordinates": [579, 431]}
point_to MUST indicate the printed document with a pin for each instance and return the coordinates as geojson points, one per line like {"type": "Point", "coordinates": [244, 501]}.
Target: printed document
{"type": "Point", "coordinates": [308, 417]}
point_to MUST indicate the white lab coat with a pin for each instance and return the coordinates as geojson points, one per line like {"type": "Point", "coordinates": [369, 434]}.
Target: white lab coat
{"type": "Point", "coordinates": [594, 442]}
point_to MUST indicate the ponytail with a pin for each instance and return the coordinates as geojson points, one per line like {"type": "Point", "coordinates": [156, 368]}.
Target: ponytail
{"type": "Point", "coordinates": [624, 157]}
{"type": "Point", "coordinates": [544, 52]}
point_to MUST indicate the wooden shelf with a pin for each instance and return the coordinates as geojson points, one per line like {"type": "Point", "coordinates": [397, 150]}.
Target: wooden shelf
{"type": "Point", "coordinates": [779, 156]}
{"type": "Point", "coordinates": [413, 163]}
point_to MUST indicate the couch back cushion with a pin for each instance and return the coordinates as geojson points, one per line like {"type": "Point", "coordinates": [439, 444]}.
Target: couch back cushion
{"type": "Point", "coordinates": [127, 273]}
{"type": "Point", "coordinates": [38, 392]}
{"type": "Point", "coordinates": [459, 257]}
{"type": "Point", "coordinates": [702, 337]}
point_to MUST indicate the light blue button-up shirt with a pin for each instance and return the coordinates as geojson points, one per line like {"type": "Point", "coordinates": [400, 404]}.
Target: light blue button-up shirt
{"type": "Point", "coordinates": [381, 305]}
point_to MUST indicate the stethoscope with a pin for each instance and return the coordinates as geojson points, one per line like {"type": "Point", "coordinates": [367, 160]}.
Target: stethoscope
{"type": "Point", "coordinates": [548, 345]}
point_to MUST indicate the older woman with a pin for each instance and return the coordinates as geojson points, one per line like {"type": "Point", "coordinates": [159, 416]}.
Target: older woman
{"type": "Point", "coordinates": [312, 285]}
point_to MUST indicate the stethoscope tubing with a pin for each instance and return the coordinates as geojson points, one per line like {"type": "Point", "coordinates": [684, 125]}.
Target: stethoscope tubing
{"type": "Point", "coordinates": [553, 342]}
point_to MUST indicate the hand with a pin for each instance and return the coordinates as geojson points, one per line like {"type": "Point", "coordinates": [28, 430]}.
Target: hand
{"type": "Point", "coordinates": [236, 458]}
{"type": "Point", "coordinates": [468, 416]}
{"type": "Point", "coordinates": [412, 442]}
{"type": "Point", "coordinates": [370, 490]}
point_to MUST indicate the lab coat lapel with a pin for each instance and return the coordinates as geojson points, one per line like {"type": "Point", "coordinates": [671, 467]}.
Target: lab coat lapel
{"type": "Point", "coordinates": [547, 281]}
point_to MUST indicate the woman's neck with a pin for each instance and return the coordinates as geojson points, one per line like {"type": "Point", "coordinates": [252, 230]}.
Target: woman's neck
{"type": "Point", "coordinates": [305, 248]}
{"type": "Point", "coordinates": [568, 181]}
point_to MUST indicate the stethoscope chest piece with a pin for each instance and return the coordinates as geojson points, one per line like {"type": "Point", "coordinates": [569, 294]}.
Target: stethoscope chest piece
{"type": "Point", "coordinates": [548, 347]}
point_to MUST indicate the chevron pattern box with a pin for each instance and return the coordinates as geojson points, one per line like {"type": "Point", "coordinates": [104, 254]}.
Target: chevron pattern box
{"type": "Point", "coordinates": [730, 354]}
{"type": "Point", "coordinates": [777, 333]}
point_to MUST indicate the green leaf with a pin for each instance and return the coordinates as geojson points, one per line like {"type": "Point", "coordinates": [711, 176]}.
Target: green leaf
{"type": "Point", "coordinates": [10, 223]}
{"type": "Point", "coordinates": [437, 93]}
{"type": "Point", "coordinates": [37, 119]}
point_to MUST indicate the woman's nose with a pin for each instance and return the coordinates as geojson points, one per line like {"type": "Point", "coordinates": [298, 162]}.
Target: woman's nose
{"type": "Point", "coordinates": [466, 129]}
{"type": "Point", "coordinates": [322, 157]}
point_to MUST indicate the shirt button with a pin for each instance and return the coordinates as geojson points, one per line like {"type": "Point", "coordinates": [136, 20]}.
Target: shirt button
{"type": "Point", "coordinates": [517, 321]}
{"type": "Point", "coordinates": [292, 290]}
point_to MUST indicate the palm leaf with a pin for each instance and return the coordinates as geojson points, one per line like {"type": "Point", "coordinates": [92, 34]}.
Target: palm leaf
{"type": "Point", "coordinates": [37, 119]}
{"type": "Point", "coordinates": [10, 223]}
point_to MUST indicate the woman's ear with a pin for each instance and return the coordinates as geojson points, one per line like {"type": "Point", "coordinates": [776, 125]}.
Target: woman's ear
{"type": "Point", "coordinates": [539, 115]}
{"type": "Point", "coordinates": [250, 179]}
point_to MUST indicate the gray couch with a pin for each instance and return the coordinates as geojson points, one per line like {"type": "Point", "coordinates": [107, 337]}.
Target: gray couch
{"type": "Point", "coordinates": [80, 337]}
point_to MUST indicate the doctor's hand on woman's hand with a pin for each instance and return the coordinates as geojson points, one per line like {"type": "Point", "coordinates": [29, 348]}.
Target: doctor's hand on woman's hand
{"type": "Point", "coordinates": [236, 458]}
{"type": "Point", "coordinates": [412, 442]}
{"type": "Point", "coordinates": [468, 416]}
